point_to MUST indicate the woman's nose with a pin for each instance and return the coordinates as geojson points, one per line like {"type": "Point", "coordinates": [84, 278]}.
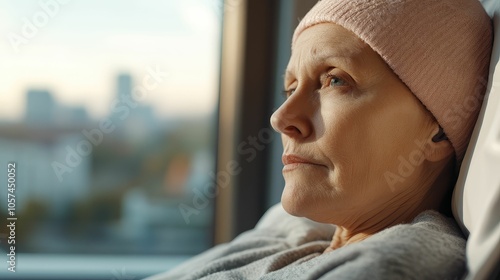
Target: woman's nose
{"type": "Point", "coordinates": [292, 118]}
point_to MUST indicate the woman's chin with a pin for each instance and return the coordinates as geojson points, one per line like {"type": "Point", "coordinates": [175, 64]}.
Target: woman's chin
{"type": "Point", "coordinates": [294, 202]}
{"type": "Point", "coordinates": [301, 200]}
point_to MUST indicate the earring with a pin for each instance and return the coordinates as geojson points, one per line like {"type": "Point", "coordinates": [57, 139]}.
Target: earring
{"type": "Point", "coordinates": [440, 136]}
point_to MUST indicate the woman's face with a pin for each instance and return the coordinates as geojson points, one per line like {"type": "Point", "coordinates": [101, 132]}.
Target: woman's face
{"type": "Point", "coordinates": [348, 121]}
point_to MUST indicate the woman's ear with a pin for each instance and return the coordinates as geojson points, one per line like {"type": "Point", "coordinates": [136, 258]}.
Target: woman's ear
{"type": "Point", "coordinates": [439, 146]}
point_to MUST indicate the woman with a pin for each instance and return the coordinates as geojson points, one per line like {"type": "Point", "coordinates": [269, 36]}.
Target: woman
{"type": "Point", "coordinates": [381, 100]}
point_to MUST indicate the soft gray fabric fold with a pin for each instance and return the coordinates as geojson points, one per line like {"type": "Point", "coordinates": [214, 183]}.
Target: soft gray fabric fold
{"type": "Point", "coordinates": [285, 247]}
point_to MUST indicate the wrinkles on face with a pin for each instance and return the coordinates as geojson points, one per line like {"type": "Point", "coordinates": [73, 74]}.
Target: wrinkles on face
{"type": "Point", "coordinates": [354, 131]}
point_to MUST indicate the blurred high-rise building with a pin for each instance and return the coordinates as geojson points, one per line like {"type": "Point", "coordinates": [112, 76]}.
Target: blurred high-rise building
{"type": "Point", "coordinates": [40, 107]}
{"type": "Point", "coordinates": [124, 86]}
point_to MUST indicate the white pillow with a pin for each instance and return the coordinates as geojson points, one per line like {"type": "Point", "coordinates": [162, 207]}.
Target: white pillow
{"type": "Point", "coordinates": [476, 199]}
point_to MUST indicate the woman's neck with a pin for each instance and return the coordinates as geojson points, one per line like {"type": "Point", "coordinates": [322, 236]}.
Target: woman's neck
{"type": "Point", "coordinates": [427, 194]}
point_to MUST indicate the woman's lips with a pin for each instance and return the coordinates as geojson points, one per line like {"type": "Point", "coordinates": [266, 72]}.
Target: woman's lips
{"type": "Point", "coordinates": [291, 162]}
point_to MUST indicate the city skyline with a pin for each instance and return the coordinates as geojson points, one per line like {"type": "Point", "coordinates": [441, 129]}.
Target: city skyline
{"type": "Point", "coordinates": [43, 108]}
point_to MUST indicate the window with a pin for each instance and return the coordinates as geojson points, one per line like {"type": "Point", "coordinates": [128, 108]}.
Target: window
{"type": "Point", "coordinates": [109, 115]}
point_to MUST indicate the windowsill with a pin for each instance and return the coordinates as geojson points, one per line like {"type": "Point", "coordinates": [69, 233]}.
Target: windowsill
{"type": "Point", "coordinates": [90, 267]}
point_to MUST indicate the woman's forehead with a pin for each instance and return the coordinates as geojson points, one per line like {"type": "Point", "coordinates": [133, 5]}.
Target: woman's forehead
{"type": "Point", "coordinates": [325, 44]}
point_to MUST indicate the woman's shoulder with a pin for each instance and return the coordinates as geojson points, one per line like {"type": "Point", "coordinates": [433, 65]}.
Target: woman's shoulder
{"type": "Point", "coordinates": [430, 247]}
{"type": "Point", "coordinates": [429, 227]}
{"type": "Point", "coordinates": [431, 220]}
{"type": "Point", "coordinates": [430, 235]}
{"type": "Point", "coordinates": [432, 244]}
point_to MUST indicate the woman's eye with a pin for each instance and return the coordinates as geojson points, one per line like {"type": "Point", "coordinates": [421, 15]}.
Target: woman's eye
{"type": "Point", "coordinates": [336, 81]}
{"type": "Point", "coordinates": [288, 92]}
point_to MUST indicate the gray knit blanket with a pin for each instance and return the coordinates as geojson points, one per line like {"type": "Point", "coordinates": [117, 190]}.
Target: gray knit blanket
{"type": "Point", "coordinates": [285, 247]}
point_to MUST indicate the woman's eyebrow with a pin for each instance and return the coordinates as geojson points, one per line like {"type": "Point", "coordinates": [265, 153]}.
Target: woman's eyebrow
{"type": "Point", "coordinates": [327, 60]}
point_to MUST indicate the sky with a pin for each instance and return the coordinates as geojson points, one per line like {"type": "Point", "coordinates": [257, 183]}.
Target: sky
{"type": "Point", "coordinates": [76, 49]}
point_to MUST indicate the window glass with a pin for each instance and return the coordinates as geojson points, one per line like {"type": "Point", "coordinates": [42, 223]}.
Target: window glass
{"type": "Point", "coordinates": [108, 114]}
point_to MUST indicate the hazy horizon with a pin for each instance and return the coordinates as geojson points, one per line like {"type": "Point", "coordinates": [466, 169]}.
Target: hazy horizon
{"type": "Point", "coordinates": [84, 45]}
